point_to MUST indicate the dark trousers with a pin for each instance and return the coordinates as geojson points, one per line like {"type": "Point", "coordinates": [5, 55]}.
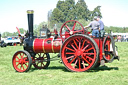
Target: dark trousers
{"type": "Point", "coordinates": [95, 33]}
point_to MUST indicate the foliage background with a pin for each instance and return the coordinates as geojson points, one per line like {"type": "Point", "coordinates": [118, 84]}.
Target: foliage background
{"type": "Point", "coordinates": [69, 10]}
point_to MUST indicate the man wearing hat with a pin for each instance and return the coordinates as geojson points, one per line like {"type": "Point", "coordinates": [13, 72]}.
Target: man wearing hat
{"type": "Point", "coordinates": [95, 27]}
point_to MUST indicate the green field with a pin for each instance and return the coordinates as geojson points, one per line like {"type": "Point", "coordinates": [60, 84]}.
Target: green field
{"type": "Point", "coordinates": [115, 73]}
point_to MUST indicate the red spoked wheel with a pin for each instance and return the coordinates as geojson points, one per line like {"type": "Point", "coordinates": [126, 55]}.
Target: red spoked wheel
{"type": "Point", "coordinates": [22, 61]}
{"type": "Point", "coordinates": [41, 60]}
{"type": "Point", "coordinates": [79, 53]}
{"type": "Point", "coordinates": [109, 48]}
{"type": "Point", "coordinates": [71, 27]}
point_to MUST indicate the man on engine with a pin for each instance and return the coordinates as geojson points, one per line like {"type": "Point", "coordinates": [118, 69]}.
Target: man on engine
{"type": "Point", "coordinates": [95, 27]}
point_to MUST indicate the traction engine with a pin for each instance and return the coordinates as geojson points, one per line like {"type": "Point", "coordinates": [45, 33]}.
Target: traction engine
{"type": "Point", "coordinates": [78, 50]}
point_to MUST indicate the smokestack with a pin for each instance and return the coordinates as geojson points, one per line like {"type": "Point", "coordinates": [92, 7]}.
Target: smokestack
{"type": "Point", "coordinates": [30, 23]}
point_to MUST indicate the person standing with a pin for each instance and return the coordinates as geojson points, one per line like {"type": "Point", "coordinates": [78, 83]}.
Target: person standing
{"type": "Point", "coordinates": [101, 27]}
{"type": "Point", "coordinates": [95, 27]}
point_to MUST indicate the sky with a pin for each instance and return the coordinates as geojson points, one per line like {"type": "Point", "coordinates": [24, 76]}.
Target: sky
{"type": "Point", "coordinates": [13, 12]}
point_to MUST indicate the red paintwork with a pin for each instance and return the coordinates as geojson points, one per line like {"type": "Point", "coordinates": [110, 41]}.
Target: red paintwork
{"type": "Point", "coordinates": [42, 45]}
{"type": "Point", "coordinates": [99, 44]}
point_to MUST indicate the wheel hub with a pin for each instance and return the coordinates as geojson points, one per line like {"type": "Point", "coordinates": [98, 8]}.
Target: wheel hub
{"type": "Point", "coordinates": [71, 32]}
{"type": "Point", "coordinates": [21, 61]}
{"type": "Point", "coordinates": [79, 53]}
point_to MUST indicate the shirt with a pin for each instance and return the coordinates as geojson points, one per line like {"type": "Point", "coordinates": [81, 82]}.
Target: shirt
{"type": "Point", "coordinates": [94, 25]}
{"type": "Point", "coordinates": [101, 25]}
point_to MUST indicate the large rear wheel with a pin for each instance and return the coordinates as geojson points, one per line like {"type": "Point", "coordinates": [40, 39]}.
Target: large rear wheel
{"type": "Point", "coordinates": [79, 53]}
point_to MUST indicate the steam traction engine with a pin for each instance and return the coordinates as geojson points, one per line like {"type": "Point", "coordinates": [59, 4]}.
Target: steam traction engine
{"type": "Point", "coordinates": [78, 50]}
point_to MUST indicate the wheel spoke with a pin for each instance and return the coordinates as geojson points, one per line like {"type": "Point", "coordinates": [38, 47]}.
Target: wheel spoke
{"type": "Point", "coordinates": [79, 44]}
{"type": "Point", "coordinates": [74, 26]}
{"type": "Point", "coordinates": [43, 55]}
{"type": "Point", "coordinates": [79, 64]}
{"type": "Point", "coordinates": [67, 27]}
{"type": "Point", "coordinates": [88, 53]}
{"type": "Point", "coordinates": [86, 60]}
{"type": "Point", "coordinates": [69, 53]}
{"type": "Point", "coordinates": [77, 31]}
{"type": "Point", "coordinates": [26, 65]}
{"type": "Point", "coordinates": [21, 56]}
{"type": "Point", "coordinates": [17, 61]}
{"type": "Point", "coordinates": [75, 43]}
{"type": "Point", "coordinates": [83, 44]}
{"type": "Point", "coordinates": [89, 58]}
{"type": "Point", "coordinates": [17, 57]}
{"type": "Point", "coordinates": [85, 47]}
{"type": "Point", "coordinates": [89, 49]}
{"type": "Point", "coordinates": [83, 63]}
{"type": "Point", "coordinates": [77, 40]}
{"type": "Point", "coordinates": [73, 47]}
{"type": "Point", "coordinates": [70, 49]}
{"type": "Point", "coordinates": [69, 57]}
{"type": "Point", "coordinates": [73, 60]}
{"type": "Point", "coordinates": [22, 66]}
{"type": "Point", "coordinates": [75, 63]}
{"type": "Point", "coordinates": [42, 64]}
{"type": "Point", "coordinates": [37, 63]}
{"type": "Point", "coordinates": [39, 54]}
{"type": "Point", "coordinates": [17, 64]}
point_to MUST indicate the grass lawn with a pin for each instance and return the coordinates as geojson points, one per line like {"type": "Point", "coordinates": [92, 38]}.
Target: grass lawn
{"type": "Point", "coordinates": [115, 73]}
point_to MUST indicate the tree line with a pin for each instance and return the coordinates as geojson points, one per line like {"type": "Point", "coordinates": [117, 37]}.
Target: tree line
{"type": "Point", "coordinates": [69, 10]}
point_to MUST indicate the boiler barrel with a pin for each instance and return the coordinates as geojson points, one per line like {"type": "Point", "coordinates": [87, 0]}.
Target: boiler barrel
{"type": "Point", "coordinates": [47, 45]}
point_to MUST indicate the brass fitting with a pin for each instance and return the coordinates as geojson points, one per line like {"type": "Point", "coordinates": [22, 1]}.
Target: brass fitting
{"type": "Point", "coordinates": [30, 11]}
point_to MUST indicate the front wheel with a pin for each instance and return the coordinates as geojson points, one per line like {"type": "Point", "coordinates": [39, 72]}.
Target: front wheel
{"type": "Point", "coordinates": [22, 61]}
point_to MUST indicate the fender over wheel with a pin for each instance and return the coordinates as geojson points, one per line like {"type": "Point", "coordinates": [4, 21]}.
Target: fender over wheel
{"type": "Point", "coordinates": [79, 53]}
{"type": "Point", "coordinates": [41, 60]}
{"type": "Point", "coordinates": [22, 61]}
